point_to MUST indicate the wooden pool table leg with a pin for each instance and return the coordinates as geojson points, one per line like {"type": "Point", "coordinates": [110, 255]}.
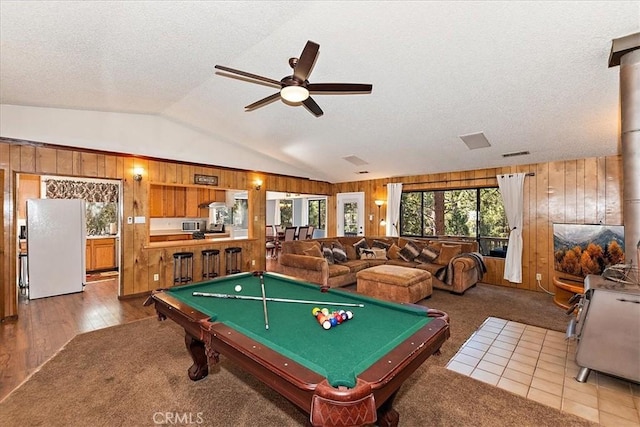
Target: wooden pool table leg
{"type": "Point", "coordinates": [387, 416]}
{"type": "Point", "coordinates": [200, 367]}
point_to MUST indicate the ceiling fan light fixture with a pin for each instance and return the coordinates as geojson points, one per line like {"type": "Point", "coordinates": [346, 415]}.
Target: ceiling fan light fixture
{"type": "Point", "coordinates": [294, 93]}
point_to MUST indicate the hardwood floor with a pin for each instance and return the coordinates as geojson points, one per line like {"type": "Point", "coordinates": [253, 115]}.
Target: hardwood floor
{"type": "Point", "coordinates": [45, 325]}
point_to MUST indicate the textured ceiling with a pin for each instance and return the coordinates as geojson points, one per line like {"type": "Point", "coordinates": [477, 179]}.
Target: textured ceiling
{"type": "Point", "coordinates": [531, 76]}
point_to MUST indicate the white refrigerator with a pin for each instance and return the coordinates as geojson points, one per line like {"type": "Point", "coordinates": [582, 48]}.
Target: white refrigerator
{"type": "Point", "coordinates": [56, 246]}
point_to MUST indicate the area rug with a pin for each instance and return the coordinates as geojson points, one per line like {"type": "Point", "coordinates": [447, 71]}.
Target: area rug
{"type": "Point", "coordinates": [135, 375]}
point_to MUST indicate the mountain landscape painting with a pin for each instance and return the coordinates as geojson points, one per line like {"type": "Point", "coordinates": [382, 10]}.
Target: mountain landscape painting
{"type": "Point", "coordinates": [583, 249]}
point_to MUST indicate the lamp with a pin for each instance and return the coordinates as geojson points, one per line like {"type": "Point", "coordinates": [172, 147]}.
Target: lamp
{"type": "Point", "coordinates": [258, 184]}
{"type": "Point", "coordinates": [137, 174]}
{"type": "Point", "coordinates": [379, 204]}
{"type": "Point", "coordinates": [294, 93]}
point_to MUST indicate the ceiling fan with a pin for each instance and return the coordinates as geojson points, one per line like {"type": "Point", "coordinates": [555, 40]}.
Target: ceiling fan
{"type": "Point", "coordinates": [295, 89]}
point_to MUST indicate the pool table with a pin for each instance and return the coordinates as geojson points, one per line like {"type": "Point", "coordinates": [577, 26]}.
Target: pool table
{"type": "Point", "coordinates": [346, 375]}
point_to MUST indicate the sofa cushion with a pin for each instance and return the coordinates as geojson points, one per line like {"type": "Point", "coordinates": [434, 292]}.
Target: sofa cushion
{"type": "Point", "coordinates": [410, 251]}
{"type": "Point", "coordinates": [360, 245]}
{"type": "Point", "coordinates": [428, 254]}
{"type": "Point", "coordinates": [302, 246]}
{"type": "Point", "coordinates": [356, 265]}
{"type": "Point", "coordinates": [447, 252]}
{"type": "Point", "coordinates": [381, 244]}
{"type": "Point", "coordinates": [339, 254]}
{"type": "Point", "coordinates": [393, 252]}
{"type": "Point", "coordinates": [373, 253]}
{"type": "Point", "coordinates": [314, 251]}
{"type": "Point", "coordinates": [338, 270]}
{"type": "Point", "coordinates": [327, 253]}
{"type": "Point", "coordinates": [403, 263]}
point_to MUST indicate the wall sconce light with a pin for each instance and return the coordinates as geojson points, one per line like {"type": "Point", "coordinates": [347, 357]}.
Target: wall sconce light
{"type": "Point", "coordinates": [137, 174]}
{"type": "Point", "coordinates": [379, 204]}
{"type": "Point", "coordinates": [258, 184]}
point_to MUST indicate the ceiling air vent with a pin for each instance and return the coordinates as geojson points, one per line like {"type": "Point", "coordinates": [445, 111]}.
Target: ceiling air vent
{"type": "Point", "coordinates": [362, 172]}
{"type": "Point", "coordinates": [515, 154]}
{"type": "Point", "coordinates": [355, 160]}
{"type": "Point", "coordinates": [475, 140]}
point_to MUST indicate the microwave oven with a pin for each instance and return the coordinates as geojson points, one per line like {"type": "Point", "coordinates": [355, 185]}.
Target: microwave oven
{"type": "Point", "coordinates": [192, 226]}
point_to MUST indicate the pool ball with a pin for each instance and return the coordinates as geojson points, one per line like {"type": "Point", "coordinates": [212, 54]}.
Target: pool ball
{"type": "Point", "coordinates": [238, 288]}
{"type": "Point", "coordinates": [315, 311]}
{"type": "Point", "coordinates": [326, 324]}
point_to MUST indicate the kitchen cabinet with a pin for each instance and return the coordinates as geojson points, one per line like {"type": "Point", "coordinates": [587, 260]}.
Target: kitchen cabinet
{"type": "Point", "coordinates": [28, 188]}
{"type": "Point", "coordinates": [101, 254]}
{"type": "Point", "coordinates": [171, 201]}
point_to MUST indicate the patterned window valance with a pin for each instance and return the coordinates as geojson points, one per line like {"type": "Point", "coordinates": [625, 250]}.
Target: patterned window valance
{"type": "Point", "coordinates": [89, 191]}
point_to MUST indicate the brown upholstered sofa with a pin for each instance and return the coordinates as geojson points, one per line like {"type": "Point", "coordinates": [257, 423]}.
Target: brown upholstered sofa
{"type": "Point", "coordinates": [456, 267]}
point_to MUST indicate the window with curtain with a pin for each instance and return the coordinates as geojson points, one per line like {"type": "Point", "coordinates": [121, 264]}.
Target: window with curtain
{"type": "Point", "coordinates": [101, 201]}
{"type": "Point", "coordinates": [476, 213]}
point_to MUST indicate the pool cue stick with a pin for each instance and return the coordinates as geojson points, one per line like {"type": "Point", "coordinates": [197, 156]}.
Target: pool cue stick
{"type": "Point", "coordinates": [298, 301]}
{"type": "Point", "coordinates": [264, 303]}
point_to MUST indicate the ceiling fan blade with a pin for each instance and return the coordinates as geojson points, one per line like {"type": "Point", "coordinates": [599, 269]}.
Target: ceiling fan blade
{"type": "Point", "coordinates": [313, 107]}
{"type": "Point", "coordinates": [251, 76]}
{"type": "Point", "coordinates": [306, 60]}
{"type": "Point", "coordinates": [339, 87]}
{"type": "Point", "coordinates": [263, 101]}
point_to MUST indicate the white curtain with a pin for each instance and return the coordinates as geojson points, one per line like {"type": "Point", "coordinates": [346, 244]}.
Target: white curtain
{"type": "Point", "coordinates": [394, 194]}
{"type": "Point", "coordinates": [276, 213]}
{"type": "Point", "coordinates": [512, 192]}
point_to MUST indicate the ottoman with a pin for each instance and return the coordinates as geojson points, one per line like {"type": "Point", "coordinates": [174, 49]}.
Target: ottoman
{"type": "Point", "coordinates": [394, 283]}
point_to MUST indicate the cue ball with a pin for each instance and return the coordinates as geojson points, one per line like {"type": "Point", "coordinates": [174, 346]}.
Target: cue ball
{"type": "Point", "coordinates": [238, 288]}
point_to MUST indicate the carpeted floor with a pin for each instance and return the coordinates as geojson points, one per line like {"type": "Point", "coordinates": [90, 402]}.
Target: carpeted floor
{"type": "Point", "coordinates": [135, 375]}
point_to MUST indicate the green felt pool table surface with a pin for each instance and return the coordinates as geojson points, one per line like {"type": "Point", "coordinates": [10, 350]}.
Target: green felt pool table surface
{"type": "Point", "coordinates": [346, 375]}
{"type": "Point", "coordinates": [340, 354]}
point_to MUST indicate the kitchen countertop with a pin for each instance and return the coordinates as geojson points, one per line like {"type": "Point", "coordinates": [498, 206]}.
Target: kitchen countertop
{"type": "Point", "coordinates": [168, 232]}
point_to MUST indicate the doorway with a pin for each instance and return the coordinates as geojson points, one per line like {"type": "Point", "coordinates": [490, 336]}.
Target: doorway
{"type": "Point", "coordinates": [102, 220]}
{"type": "Point", "coordinates": [350, 214]}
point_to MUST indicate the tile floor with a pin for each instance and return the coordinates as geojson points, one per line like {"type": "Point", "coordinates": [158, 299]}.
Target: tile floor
{"type": "Point", "coordinates": [539, 364]}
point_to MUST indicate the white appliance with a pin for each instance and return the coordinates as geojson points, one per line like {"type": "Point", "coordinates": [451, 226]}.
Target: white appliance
{"type": "Point", "coordinates": [56, 246]}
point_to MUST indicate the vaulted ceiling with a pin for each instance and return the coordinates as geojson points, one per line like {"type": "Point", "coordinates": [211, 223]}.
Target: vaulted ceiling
{"type": "Point", "coordinates": [139, 77]}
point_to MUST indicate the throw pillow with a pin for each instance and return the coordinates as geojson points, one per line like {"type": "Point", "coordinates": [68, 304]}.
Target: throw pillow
{"type": "Point", "coordinates": [381, 244]}
{"type": "Point", "coordinates": [339, 254]}
{"type": "Point", "coordinates": [393, 252]}
{"type": "Point", "coordinates": [327, 252]}
{"type": "Point", "coordinates": [427, 255]}
{"type": "Point", "coordinates": [380, 253]}
{"type": "Point", "coordinates": [410, 251]}
{"type": "Point", "coordinates": [447, 253]}
{"type": "Point", "coordinates": [367, 254]}
{"type": "Point", "coordinates": [314, 251]}
{"type": "Point", "coordinates": [359, 246]}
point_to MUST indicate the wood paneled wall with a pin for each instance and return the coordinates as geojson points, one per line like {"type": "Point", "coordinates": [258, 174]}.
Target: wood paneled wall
{"type": "Point", "coordinates": [138, 262]}
{"type": "Point", "coordinates": [576, 191]}
{"type": "Point", "coordinates": [584, 191]}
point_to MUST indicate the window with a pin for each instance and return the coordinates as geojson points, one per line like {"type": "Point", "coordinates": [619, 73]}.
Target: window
{"type": "Point", "coordinates": [286, 213]}
{"type": "Point", "coordinates": [475, 213]}
{"type": "Point", "coordinates": [318, 213]}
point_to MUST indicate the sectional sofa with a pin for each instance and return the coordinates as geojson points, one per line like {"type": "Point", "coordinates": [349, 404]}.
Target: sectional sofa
{"type": "Point", "coordinates": [455, 265]}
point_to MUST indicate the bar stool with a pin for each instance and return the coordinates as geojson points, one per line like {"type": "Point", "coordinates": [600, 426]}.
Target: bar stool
{"type": "Point", "coordinates": [182, 267]}
{"type": "Point", "coordinates": [233, 259]}
{"type": "Point", "coordinates": [210, 263]}
{"type": "Point", "coordinates": [23, 279]}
